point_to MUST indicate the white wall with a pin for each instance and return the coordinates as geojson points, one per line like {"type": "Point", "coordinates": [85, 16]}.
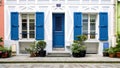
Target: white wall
{"type": "Point", "coordinates": [68, 8]}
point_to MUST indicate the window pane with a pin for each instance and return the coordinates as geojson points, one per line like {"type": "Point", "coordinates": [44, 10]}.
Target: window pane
{"type": "Point", "coordinates": [24, 34]}
{"type": "Point", "coordinates": [31, 26]}
{"type": "Point", "coordinates": [24, 20]}
{"type": "Point", "coordinates": [92, 26]}
{"type": "Point", "coordinates": [24, 16]}
{"type": "Point", "coordinates": [58, 24]}
{"type": "Point", "coordinates": [31, 21]}
{"type": "Point", "coordinates": [85, 24]}
{"type": "Point", "coordinates": [31, 16]}
{"type": "Point", "coordinates": [24, 26]}
{"type": "Point", "coordinates": [31, 33]}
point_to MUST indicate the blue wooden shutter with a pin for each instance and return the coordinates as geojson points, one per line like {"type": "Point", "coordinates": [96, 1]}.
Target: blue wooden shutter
{"type": "Point", "coordinates": [103, 22]}
{"type": "Point", "coordinates": [14, 26]}
{"type": "Point", "coordinates": [39, 26]}
{"type": "Point", "coordinates": [77, 24]}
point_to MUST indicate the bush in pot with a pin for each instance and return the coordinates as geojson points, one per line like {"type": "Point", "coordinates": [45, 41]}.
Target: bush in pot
{"type": "Point", "coordinates": [111, 52]}
{"type": "Point", "coordinates": [1, 40]}
{"type": "Point", "coordinates": [5, 52]}
{"type": "Point", "coordinates": [82, 51]}
{"type": "Point", "coordinates": [75, 50]}
{"type": "Point", "coordinates": [105, 52]}
{"type": "Point", "coordinates": [78, 48]}
{"type": "Point", "coordinates": [118, 46]}
{"type": "Point", "coordinates": [32, 50]}
{"type": "Point", "coordinates": [40, 47]}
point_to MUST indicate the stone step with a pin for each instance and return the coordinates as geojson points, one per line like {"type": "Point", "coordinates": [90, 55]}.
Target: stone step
{"type": "Point", "coordinates": [58, 49]}
{"type": "Point", "coordinates": [59, 54]}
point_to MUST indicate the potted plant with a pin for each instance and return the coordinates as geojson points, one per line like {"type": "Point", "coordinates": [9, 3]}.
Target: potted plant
{"type": "Point", "coordinates": [78, 47]}
{"type": "Point", "coordinates": [105, 52]}
{"type": "Point", "coordinates": [82, 51]}
{"type": "Point", "coordinates": [1, 40]}
{"type": "Point", "coordinates": [32, 50]}
{"type": "Point", "coordinates": [40, 47]}
{"type": "Point", "coordinates": [5, 52]}
{"type": "Point", "coordinates": [118, 46]}
{"type": "Point", "coordinates": [75, 50]}
{"type": "Point", "coordinates": [111, 52]}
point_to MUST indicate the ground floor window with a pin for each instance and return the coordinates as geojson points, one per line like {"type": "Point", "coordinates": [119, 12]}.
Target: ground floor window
{"type": "Point", "coordinates": [27, 24]}
{"type": "Point", "coordinates": [89, 25]}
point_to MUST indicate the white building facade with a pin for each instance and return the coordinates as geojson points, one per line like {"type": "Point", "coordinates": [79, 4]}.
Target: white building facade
{"type": "Point", "coordinates": [58, 22]}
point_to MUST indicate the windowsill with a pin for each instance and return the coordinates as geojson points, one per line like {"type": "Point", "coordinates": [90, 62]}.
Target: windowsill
{"type": "Point", "coordinates": [92, 40]}
{"type": "Point", "coordinates": [27, 40]}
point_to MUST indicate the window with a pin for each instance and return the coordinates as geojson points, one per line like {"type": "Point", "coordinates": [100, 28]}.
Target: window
{"type": "Point", "coordinates": [27, 26]}
{"type": "Point", "coordinates": [89, 25]}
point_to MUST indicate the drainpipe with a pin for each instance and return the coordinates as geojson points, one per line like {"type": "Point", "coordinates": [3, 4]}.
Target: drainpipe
{"type": "Point", "coordinates": [116, 26]}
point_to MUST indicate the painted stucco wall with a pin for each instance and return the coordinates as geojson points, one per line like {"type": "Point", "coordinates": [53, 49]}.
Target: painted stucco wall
{"type": "Point", "coordinates": [2, 19]}
{"type": "Point", "coordinates": [67, 7]}
{"type": "Point", "coordinates": [118, 17]}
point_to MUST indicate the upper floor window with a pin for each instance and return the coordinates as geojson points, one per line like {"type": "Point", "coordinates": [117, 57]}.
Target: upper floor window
{"type": "Point", "coordinates": [27, 26]}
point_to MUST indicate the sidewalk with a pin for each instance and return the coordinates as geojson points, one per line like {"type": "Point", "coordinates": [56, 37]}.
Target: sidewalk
{"type": "Point", "coordinates": [90, 58]}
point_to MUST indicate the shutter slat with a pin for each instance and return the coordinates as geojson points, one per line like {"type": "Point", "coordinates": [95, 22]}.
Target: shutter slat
{"type": "Point", "coordinates": [103, 29]}
{"type": "Point", "coordinates": [39, 26]}
{"type": "Point", "coordinates": [14, 26]}
{"type": "Point", "coordinates": [77, 24]}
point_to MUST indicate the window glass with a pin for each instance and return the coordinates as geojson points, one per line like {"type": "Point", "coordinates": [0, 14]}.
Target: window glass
{"type": "Point", "coordinates": [28, 26]}
{"type": "Point", "coordinates": [92, 25]}
{"type": "Point", "coordinates": [58, 24]}
{"type": "Point", "coordinates": [89, 25]}
{"type": "Point", "coordinates": [85, 24]}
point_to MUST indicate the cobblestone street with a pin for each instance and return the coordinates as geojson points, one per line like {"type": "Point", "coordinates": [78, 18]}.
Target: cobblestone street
{"type": "Point", "coordinates": [61, 65]}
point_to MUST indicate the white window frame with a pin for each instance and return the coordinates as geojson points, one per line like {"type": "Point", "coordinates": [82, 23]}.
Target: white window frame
{"type": "Point", "coordinates": [20, 27]}
{"type": "Point", "coordinates": [96, 26]}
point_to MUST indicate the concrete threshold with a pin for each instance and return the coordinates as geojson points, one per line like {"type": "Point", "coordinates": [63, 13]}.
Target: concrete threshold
{"type": "Point", "coordinates": [90, 58]}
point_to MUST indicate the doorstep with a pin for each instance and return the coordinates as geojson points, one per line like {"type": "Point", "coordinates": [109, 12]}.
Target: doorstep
{"type": "Point", "coordinates": [90, 58]}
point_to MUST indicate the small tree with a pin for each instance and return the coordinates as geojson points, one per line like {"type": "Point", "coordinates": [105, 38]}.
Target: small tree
{"type": "Point", "coordinates": [78, 44]}
{"type": "Point", "coordinates": [41, 45]}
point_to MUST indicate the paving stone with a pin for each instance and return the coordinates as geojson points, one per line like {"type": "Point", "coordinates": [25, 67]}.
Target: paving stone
{"type": "Point", "coordinates": [61, 65]}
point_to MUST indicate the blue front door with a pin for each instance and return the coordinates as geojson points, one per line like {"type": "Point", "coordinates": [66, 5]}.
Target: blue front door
{"type": "Point", "coordinates": [58, 30]}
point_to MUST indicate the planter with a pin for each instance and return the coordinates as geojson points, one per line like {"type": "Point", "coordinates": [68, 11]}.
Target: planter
{"type": "Point", "coordinates": [9, 54]}
{"type": "Point", "coordinates": [42, 53]}
{"type": "Point", "coordinates": [75, 54]}
{"type": "Point", "coordinates": [118, 54]}
{"type": "Point", "coordinates": [32, 55]}
{"type": "Point", "coordinates": [82, 53]}
{"type": "Point", "coordinates": [0, 54]}
{"type": "Point", "coordinates": [105, 54]}
{"type": "Point", "coordinates": [111, 55]}
{"type": "Point", "coordinates": [4, 54]}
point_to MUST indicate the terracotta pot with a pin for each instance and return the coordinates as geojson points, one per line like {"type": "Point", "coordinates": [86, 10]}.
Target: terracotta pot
{"type": "Point", "coordinates": [32, 55]}
{"type": "Point", "coordinates": [4, 54]}
{"type": "Point", "coordinates": [118, 54]}
{"type": "Point", "coordinates": [111, 55]}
